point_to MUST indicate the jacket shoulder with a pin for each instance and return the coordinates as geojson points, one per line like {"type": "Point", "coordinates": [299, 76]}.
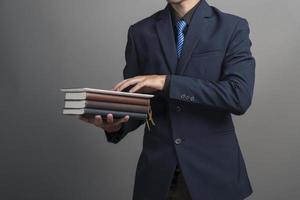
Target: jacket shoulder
{"type": "Point", "coordinates": [230, 21]}
{"type": "Point", "coordinates": [146, 23]}
{"type": "Point", "coordinates": [149, 19]}
{"type": "Point", "coordinates": [227, 16]}
{"type": "Point", "coordinates": [230, 18]}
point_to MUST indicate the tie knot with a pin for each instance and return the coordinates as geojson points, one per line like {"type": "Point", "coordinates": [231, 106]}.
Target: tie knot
{"type": "Point", "coordinates": [181, 24]}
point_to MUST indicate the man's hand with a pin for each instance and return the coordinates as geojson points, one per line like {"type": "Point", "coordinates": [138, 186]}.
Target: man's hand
{"type": "Point", "coordinates": [110, 125]}
{"type": "Point", "coordinates": [144, 84]}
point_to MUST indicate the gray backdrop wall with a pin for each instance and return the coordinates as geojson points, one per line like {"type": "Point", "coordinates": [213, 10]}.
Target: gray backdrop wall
{"type": "Point", "coordinates": [47, 45]}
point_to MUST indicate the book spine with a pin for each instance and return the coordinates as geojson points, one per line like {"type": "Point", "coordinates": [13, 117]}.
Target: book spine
{"type": "Point", "coordinates": [116, 114]}
{"type": "Point", "coordinates": [117, 99]}
{"type": "Point", "coordinates": [116, 106]}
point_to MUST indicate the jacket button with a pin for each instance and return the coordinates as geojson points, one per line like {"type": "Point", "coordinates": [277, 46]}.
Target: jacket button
{"type": "Point", "coordinates": [178, 108]}
{"type": "Point", "coordinates": [192, 98]}
{"type": "Point", "coordinates": [178, 141]}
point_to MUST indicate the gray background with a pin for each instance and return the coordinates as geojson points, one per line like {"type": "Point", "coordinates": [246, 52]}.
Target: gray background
{"type": "Point", "coordinates": [48, 45]}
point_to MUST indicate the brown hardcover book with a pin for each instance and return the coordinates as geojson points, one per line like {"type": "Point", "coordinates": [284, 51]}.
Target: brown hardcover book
{"type": "Point", "coordinates": [117, 99]}
{"type": "Point", "coordinates": [107, 96]}
{"type": "Point", "coordinates": [106, 105]}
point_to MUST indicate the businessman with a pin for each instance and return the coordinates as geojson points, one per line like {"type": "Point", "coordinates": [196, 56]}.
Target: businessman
{"type": "Point", "coordinates": [197, 61]}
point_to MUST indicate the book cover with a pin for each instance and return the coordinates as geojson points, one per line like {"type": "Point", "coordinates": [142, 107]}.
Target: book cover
{"type": "Point", "coordinates": [106, 105]}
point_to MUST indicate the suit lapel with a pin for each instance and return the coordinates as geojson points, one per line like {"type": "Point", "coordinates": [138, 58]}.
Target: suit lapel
{"type": "Point", "coordinates": [166, 36]}
{"type": "Point", "coordinates": [196, 34]}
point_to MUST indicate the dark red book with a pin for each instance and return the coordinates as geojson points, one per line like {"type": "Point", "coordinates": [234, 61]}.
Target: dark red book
{"type": "Point", "coordinates": [106, 105]}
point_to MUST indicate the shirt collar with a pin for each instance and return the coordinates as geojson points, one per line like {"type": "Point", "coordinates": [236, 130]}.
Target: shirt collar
{"type": "Point", "coordinates": [187, 17]}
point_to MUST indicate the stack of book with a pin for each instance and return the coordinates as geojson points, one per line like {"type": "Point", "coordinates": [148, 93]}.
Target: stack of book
{"type": "Point", "coordinates": [91, 102]}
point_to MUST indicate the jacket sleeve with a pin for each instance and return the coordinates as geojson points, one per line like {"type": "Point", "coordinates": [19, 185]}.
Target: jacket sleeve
{"type": "Point", "coordinates": [233, 92]}
{"type": "Point", "coordinates": [131, 69]}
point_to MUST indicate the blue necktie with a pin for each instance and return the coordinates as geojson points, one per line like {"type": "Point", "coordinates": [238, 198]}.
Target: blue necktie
{"type": "Point", "coordinates": [181, 24]}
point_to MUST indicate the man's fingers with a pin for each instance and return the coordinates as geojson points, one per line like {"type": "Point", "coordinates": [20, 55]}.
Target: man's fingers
{"type": "Point", "coordinates": [126, 84]}
{"type": "Point", "coordinates": [123, 119]}
{"type": "Point", "coordinates": [120, 83]}
{"type": "Point", "coordinates": [116, 124]}
{"type": "Point", "coordinates": [129, 82]}
{"type": "Point", "coordinates": [109, 118]}
{"type": "Point", "coordinates": [138, 86]}
{"type": "Point", "coordinates": [126, 80]}
{"type": "Point", "coordinates": [110, 123]}
{"type": "Point", "coordinates": [98, 120]}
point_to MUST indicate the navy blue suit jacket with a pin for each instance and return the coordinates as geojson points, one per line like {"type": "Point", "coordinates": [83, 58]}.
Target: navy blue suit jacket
{"type": "Point", "coordinates": [213, 79]}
